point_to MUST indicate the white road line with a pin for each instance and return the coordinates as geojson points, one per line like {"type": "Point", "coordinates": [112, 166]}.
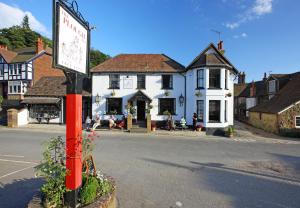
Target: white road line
{"type": "Point", "coordinates": [18, 161]}
{"type": "Point", "coordinates": [19, 156]}
{"type": "Point", "coordinates": [17, 171]}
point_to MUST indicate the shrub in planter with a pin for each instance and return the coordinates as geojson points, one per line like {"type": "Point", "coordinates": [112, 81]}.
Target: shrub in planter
{"type": "Point", "coordinates": [88, 192]}
{"type": "Point", "coordinates": [199, 127]}
{"type": "Point", "coordinates": [230, 131]}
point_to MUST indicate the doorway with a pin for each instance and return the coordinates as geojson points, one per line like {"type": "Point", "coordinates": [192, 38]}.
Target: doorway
{"type": "Point", "coordinates": [141, 105]}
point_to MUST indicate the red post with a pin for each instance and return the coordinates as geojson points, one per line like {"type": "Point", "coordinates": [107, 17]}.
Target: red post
{"type": "Point", "coordinates": [74, 144]}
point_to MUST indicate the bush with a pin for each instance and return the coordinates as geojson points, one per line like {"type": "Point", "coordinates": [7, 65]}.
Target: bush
{"type": "Point", "coordinates": [88, 193]}
{"type": "Point", "coordinates": [105, 186]}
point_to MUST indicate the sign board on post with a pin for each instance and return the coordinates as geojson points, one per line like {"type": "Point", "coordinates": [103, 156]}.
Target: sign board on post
{"type": "Point", "coordinates": [71, 42]}
{"type": "Point", "coordinates": [71, 38]}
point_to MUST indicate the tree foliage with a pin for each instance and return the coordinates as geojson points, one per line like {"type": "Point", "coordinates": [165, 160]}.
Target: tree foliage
{"type": "Point", "coordinates": [20, 36]}
{"type": "Point", "coordinates": [97, 57]}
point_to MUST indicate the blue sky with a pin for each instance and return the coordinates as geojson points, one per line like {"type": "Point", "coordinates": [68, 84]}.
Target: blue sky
{"type": "Point", "coordinates": [259, 35]}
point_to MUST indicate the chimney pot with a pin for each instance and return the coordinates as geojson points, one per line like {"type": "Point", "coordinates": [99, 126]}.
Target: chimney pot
{"type": "Point", "coordinates": [39, 45]}
{"type": "Point", "coordinates": [3, 47]}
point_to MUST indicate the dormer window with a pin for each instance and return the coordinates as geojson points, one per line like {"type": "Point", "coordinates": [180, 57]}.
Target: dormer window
{"type": "Point", "coordinates": [215, 78]}
{"type": "Point", "coordinates": [272, 86]}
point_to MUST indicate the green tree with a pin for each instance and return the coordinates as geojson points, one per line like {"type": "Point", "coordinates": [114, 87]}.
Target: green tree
{"type": "Point", "coordinates": [25, 23]}
{"type": "Point", "coordinates": [97, 57]}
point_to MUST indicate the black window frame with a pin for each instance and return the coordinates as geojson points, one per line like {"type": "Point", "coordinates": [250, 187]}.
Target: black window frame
{"type": "Point", "coordinates": [114, 81]}
{"type": "Point", "coordinates": [226, 79]}
{"type": "Point", "coordinates": [214, 81]}
{"type": "Point", "coordinates": [200, 78]}
{"type": "Point", "coordinates": [163, 81]}
{"type": "Point", "coordinates": [162, 110]}
{"type": "Point", "coordinates": [200, 112]}
{"type": "Point", "coordinates": [297, 120]}
{"type": "Point", "coordinates": [216, 116]}
{"type": "Point", "coordinates": [141, 84]}
{"type": "Point", "coordinates": [113, 100]}
{"type": "Point", "coordinates": [225, 111]}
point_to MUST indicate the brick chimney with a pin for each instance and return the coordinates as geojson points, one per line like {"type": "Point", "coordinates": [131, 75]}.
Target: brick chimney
{"type": "Point", "coordinates": [3, 47]}
{"type": "Point", "coordinates": [220, 47]}
{"type": "Point", "coordinates": [252, 89]}
{"type": "Point", "coordinates": [242, 78]}
{"type": "Point", "coordinates": [39, 45]}
{"type": "Point", "coordinates": [265, 77]}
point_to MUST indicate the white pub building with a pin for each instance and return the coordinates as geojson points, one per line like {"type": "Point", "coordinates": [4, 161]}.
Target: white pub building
{"type": "Point", "coordinates": [205, 87]}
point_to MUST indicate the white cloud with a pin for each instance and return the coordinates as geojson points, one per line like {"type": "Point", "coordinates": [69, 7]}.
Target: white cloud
{"type": "Point", "coordinates": [10, 16]}
{"type": "Point", "coordinates": [243, 35]}
{"type": "Point", "coordinates": [258, 9]}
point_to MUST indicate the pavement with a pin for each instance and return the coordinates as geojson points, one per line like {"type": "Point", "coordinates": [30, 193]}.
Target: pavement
{"type": "Point", "coordinates": [165, 171]}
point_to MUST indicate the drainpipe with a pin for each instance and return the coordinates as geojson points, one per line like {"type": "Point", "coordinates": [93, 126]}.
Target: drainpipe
{"type": "Point", "coordinates": [184, 94]}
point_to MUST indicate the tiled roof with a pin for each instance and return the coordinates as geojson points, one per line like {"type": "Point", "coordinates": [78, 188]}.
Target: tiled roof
{"type": "Point", "coordinates": [22, 54]}
{"type": "Point", "coordinates": [287, 96]}
{"type": "Point", "coordinates": [7, 55]}
{"type": "Point", "coordinates": [211, 56]}
{"type": "Point", "coordinates": [260, 89]}
{"type": "Point", "coordinates": [139, 63]}
{"type": "Point", "coordinates": [51, 87]}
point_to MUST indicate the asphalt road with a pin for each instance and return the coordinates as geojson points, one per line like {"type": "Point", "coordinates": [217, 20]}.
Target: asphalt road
{"type": "Point", "coordinates": [154, 172]}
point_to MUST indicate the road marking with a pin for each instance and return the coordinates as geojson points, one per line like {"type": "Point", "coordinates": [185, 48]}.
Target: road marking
{"type": "Point", "coordinates": [19, 156]}
{"type": "Point", "coordinates": [17, 171]}
{"type": "Point", "coordinates": [18, 161]}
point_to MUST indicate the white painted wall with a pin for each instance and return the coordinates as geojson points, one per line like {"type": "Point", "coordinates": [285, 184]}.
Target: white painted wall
{"type": "Point", "coordinates": [100, 85]}
{"type": "Point", "coordinates": [210, 94]}
{"type": "Point", "coordinates": [23, 117]}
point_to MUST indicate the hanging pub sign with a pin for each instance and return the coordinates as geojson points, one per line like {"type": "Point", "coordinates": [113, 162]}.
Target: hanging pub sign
{"type": "Point", "coordinates": [71, 38]}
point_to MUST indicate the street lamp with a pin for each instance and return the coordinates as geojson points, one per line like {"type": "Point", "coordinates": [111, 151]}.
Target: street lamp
{"type": "Point", "coordinates": [181, 100]}
{"type": "Point", "coordinates": [97, 99]}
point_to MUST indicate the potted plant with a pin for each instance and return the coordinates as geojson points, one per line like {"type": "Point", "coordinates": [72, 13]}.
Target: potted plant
{"type": "Point", "coordinates": [198, 93]}
{"type": "Point", "coordinates": [230, 131]}
{"type": "Point", "coordinates": [113, 93]}
{"type": "Point", "coordinates": [228, 94]}
{"type": "Point", "coordinates": [167, 93]}
{"type": "Point", "coordinates": [199, 127]}
{"type": "Point", "coordinates": [153, 126]}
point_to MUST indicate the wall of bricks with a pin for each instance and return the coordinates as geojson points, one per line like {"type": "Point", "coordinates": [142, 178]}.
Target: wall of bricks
{"type": "Point", "coordinates": [267, 122]}
{"type": "Point", "coordinates": [43, 68]}
{"type": "Point", "coordinates": [15, 97]}
{"type": "Point", "coordinates": [12, 118]}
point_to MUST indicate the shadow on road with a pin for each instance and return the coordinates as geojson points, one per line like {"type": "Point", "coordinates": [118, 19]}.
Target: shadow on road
{"type": "Point", "coordinates": [19, 192]}
{"type": "Point", "coordinates": [241, 188]}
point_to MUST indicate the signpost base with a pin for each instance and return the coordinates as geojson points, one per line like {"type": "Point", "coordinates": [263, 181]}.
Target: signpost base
{"type": "Point", "coordinates": [73, 138]}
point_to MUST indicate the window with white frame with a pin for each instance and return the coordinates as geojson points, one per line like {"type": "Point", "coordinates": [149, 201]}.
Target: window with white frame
{"type": "Point", "coordinates": [272, 86]}
{"type": "Point", "coordinates": [297, 121]}
{"type": "Point", "coordinates": [200, 78]}
{"type": "Point", "coordinates": [15, 87]}
{"type": "Point", "coordinates": [200, 110]}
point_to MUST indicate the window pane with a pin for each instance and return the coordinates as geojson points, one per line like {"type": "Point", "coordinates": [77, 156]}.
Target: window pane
{"type": "Point", "coordinates": [200, 78]}
{"type": "Point", "coordinates": [226, 79]}
{"type": "Point", "coordinates": [114, 105]}
{"type": "Point", "coordinates": [214, 111]}
{"type": "Point", "coordinates": [225, 115]}
{"type": "Point", "coordinates": [200, 110]}
{"type": "Point", "coordinates": [298, 121]}
{"type": "Point", "coordinates": [114, 81]}
{"type": "Point", "coordinates": [167, 81]}
{"type": "Point", "coordinates": [214, 78]}
{"type": "Point", "coordinates": [141, 81]}
{"type": "Point", "coordinates": [167, 104]}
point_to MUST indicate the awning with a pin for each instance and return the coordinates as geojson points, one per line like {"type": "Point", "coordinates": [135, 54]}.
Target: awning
{"type": "Point", "coordinates": [139, 95]}
{"type": "Point", "coordinates": [40, 100]}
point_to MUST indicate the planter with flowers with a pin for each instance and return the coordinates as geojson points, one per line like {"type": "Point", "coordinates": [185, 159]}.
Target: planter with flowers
{"type": "Point", "coordinates": [97, 190]}
{"type": "Point", "coordinates": [199, 127]}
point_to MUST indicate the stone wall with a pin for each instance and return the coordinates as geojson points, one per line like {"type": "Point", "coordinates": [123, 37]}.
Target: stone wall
{"type": "Point", "coordinates": [287, 118]}
{"type": "Point", "coordinates": [15, 97]}
{"type": "Point", "coordinates": [265, 121]}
